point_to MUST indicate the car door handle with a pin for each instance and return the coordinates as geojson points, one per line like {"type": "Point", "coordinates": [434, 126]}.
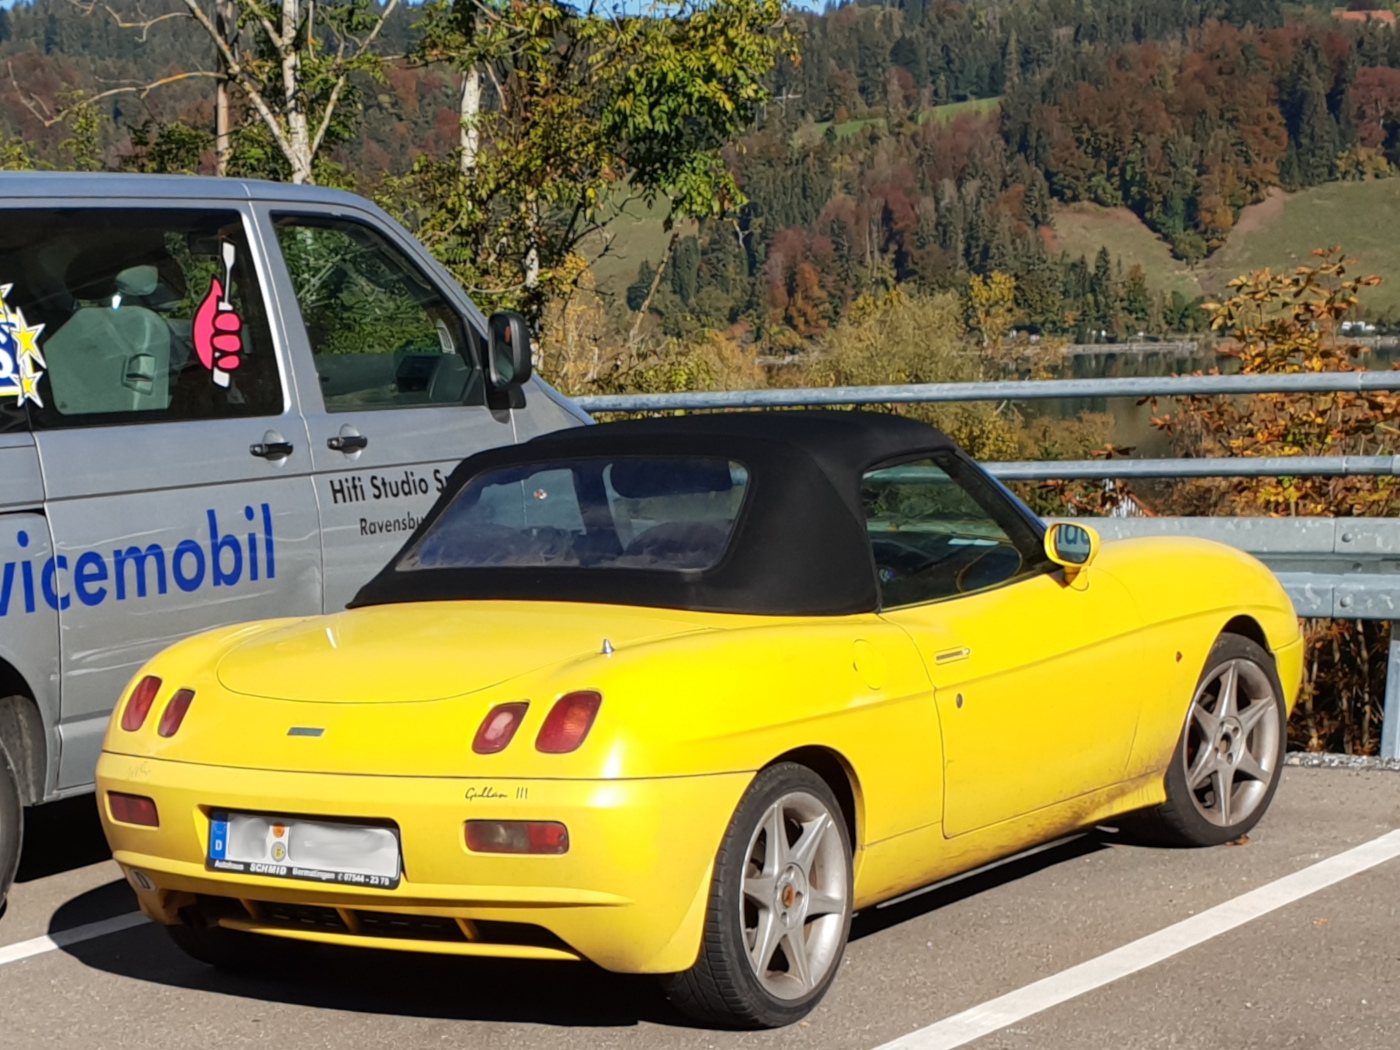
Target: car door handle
{"type": "Point", "coordinates": [347, 443]}
{"type": "Point", "coordinates": [271, 449]}
{"type": "Point", "coordinates": [948, 656]}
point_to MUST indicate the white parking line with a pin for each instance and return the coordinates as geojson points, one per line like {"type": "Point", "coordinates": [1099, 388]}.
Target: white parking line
{"type": "Point", "coordinates": [1006, 1010]}
{"type": "Point", "coordinates": [13, 953]}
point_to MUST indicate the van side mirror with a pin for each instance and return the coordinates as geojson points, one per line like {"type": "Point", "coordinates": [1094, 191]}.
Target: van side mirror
{"type": "Point", "coordinates": [1071, 546]}
{"type": "Point", "coordinates": [508, 351]}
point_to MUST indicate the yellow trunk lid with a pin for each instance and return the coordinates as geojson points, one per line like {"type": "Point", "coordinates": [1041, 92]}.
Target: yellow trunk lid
{"type": "Point", "coordinates": [431, 650]}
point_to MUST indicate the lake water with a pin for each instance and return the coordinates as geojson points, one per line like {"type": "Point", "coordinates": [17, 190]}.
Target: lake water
{"type": "Point", "coordinates": [1132, 422]}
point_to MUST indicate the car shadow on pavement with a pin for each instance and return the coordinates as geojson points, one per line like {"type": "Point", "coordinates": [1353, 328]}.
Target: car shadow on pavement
{"type": "Point", "coordinates": [61, 836]}
{"type": "Point", "coordinates": [383, 982]}
{"type": "Point", "coordinates": [941, 895]}
{"type": "Point", "coordinates": [450, 988]}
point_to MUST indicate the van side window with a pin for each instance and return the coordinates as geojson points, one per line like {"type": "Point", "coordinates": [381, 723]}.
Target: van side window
{"type": "Point", "coordinates": [137, 315]}
{"type": "Point", "coordinates": [382, 333]}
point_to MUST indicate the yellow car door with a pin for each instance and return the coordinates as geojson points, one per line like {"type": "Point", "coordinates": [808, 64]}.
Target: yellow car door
{"type": "Point", "coordinates": [1034, 676]}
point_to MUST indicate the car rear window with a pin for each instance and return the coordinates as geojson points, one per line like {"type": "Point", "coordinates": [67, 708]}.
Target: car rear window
{"type": "Point", "coordinates": [668, 514]}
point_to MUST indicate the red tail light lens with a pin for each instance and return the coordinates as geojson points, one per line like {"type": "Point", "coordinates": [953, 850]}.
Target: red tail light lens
{"type": "Point", "coordinates": [138, 706]}
{"type": "Point", "coordinates": [568, 723]}
{"type": "Point", "coordinates": [133, 809]}
{"type": "Point", "coordinates": [175, 712]}
{"type": "Point", "coordinates": [545, 837]}
{"type": "Point", "coordinates": [498, 727]}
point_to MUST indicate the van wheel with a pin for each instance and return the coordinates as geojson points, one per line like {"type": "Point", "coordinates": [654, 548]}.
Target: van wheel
{"type": "Point", "coordinates": [224, 949]}
{"type": "Point", "coordinates": [780, 907]}
{"type": "Point", "coordinates": [11, 824]}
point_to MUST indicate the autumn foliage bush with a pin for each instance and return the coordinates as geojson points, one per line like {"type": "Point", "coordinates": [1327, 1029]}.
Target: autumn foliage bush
{"type": "Point", "coordinates": [1291, 323]}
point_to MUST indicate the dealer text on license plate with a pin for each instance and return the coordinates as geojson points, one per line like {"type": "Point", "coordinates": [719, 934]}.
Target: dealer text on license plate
{"type": "Point", "coordinates": [295, 848]}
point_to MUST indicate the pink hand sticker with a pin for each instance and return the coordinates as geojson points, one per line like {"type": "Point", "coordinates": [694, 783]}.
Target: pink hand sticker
{"type": "Point", "coordinates": [218, 338]}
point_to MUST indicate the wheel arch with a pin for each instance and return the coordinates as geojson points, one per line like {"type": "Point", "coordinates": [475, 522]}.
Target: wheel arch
{"type": "Point", "coordinates": [22, 732]}
{"type": "Point", "coordinates": [834, 768]}
{"type": "Point", "coordinates": [1248, 627]}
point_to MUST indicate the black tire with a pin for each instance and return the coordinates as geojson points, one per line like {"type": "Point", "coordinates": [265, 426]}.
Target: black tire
{"type": "Point", "coordinates": [1188, 818]}
{"type": "Point", "coordinates": [11, 824]}
{"type": "Point", "coordinates": [724, 988]}
{"type": "Point", "coordinates": [245, 953]}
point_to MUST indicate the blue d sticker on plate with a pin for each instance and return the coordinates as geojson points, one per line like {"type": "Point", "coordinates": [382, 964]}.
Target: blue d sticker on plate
{"type": "Point", "coordinates": [218, 838]}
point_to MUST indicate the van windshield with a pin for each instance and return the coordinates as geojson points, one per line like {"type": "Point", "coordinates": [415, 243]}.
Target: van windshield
{"type": "Point", "coordinates": [670, 514]}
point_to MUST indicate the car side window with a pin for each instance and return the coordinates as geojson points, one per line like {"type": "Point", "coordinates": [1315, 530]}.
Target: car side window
{"type": "Point", "coordinates": [382, 334]}
{"type": "Point", "coordinates": [938, 531]}
{"type": "Point", "coordinates": [133, 315]}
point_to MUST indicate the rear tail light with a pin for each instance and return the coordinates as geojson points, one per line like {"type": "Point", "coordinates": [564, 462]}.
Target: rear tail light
{"type": "Point", "coordinates": [568, 723]}
{"type": "Point", "coordinates": [498, 727]}
{"type": "Point", "coordinates": [517, 836]}
{"type": "Point", "coordinates": [133, 809]}
{"type": "Point", "coordinates": [138, 706]}
{"type": "Point", "coordinates": [175, 712]}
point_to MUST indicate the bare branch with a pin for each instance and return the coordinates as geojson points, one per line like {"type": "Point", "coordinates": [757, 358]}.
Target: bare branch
{"type": "Point", "coordinates": [374, 33]}
{"type": "Point", "coordinates": [329, 113]}
{"type": "Point", "coordinates": [145, 24]}
{"type": "Point", "coordinates": [241, 77]}
{"type": "Point", "coordinates": [33, 103]}
{"type": "Point", "coordinates": [49, 118]}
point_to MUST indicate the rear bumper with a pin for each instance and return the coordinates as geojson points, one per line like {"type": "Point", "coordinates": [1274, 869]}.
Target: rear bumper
{"type": "Point", "coordinates": [630, 895]}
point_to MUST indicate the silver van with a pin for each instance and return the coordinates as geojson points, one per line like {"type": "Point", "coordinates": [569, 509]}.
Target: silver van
{"type": "Point", "coordinates": [219, 401]}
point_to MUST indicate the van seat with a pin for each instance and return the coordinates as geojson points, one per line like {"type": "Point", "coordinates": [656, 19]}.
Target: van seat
{"type": "Point", "coordinates": [110, 360]}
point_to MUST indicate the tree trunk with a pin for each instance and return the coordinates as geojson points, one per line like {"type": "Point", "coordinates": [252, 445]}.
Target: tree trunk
{"type": "Point", "coordinates": [298, 128]}
{"type": "Point", "coordinates": [226, 19]}
{"type": "Point", "coordinates": [469, 113]}
{"type": "Point", "coordinates": [636, 331]}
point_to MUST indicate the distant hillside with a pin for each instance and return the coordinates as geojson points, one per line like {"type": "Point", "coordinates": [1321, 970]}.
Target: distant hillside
{"type": "Point", "coordinates": [1281, 230]}
{"type": "Point", "coordinates": [1082, 229]}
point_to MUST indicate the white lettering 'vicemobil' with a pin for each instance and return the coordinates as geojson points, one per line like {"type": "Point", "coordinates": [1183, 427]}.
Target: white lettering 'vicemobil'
{"type": "Point", "coordinates": [138, 572]}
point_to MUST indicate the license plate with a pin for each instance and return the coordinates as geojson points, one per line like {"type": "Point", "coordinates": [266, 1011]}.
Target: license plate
{"type": "Point", "coordinates": [296, 848]}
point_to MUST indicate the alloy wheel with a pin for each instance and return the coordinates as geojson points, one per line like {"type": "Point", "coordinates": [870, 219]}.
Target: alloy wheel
{"type": "Point", "coordinates": [796, 896]}
{"type": "Point", "coordinates": [1232, 742]}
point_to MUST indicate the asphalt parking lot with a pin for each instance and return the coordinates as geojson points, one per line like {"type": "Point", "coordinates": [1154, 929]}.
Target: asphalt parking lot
{"type": "Point", "coordinates": [1091, 943]}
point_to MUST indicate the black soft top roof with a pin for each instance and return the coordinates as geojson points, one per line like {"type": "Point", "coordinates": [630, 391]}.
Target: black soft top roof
{"type": "Point", "coordinates": [799, 546]}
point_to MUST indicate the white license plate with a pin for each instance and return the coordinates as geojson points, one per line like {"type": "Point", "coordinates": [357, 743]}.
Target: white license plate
{"type": "Point", "coordinates": [296, 848]}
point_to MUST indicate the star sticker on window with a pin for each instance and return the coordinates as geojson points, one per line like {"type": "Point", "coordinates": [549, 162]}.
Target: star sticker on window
{"type": "Point", "coordinates": [22, 364]}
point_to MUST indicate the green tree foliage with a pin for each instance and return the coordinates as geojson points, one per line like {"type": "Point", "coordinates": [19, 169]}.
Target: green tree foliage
{"type": "Point", "coordinates": [1290, 322]}
{"type": "Point", "coordinates": [584, 110]}
{"type": "Point", "coordinates": [899, 338]}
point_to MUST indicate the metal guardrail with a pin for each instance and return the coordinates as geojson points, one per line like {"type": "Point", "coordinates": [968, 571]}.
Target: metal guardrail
{"type": "Point", "coordinates": [1346, 568]}
{"type": "Point", "coordinates": [1001, 390]}
{"type": "Point", "coordinates": [1213, 467]}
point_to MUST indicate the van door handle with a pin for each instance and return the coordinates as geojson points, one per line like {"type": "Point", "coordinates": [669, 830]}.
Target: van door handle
{"type": "Point", "coordinates": [347, 443]}
{"type": "Point", "coordinates": [271, 449]}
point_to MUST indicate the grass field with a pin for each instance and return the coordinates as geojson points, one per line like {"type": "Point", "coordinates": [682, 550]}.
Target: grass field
{"type": "Point", "coordinates": [938, 114]}
{"type": "Point", "coordinates": [1082, 229]}
{"type": "Point", "coordinates": [953, 110]}
{"type": "Point", "coordinates": [637, 234]}
{"type": "Point", "coordinates": [1280, 232]}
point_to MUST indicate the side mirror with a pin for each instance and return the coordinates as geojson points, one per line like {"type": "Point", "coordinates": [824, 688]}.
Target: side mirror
{"type": "Point", "coordinates": [508, 352]}
{"type": "Point", "coordinates": [1071, 546]}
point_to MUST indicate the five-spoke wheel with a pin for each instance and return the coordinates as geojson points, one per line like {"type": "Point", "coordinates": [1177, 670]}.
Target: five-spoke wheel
{"type": "Point", "coordinates": [780, 906]}
{"type": "Point", "coordinates": [1228, 760]}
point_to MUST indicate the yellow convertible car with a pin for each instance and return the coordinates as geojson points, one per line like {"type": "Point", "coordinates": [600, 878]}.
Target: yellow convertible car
{"type": "Point", "coordinates": [677, 696]}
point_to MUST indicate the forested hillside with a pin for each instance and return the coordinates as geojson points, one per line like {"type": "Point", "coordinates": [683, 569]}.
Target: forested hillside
{"type": "Point", "coordinates": [1184, 113]}
{"type": "Point", "coordinates": [911, 144]}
